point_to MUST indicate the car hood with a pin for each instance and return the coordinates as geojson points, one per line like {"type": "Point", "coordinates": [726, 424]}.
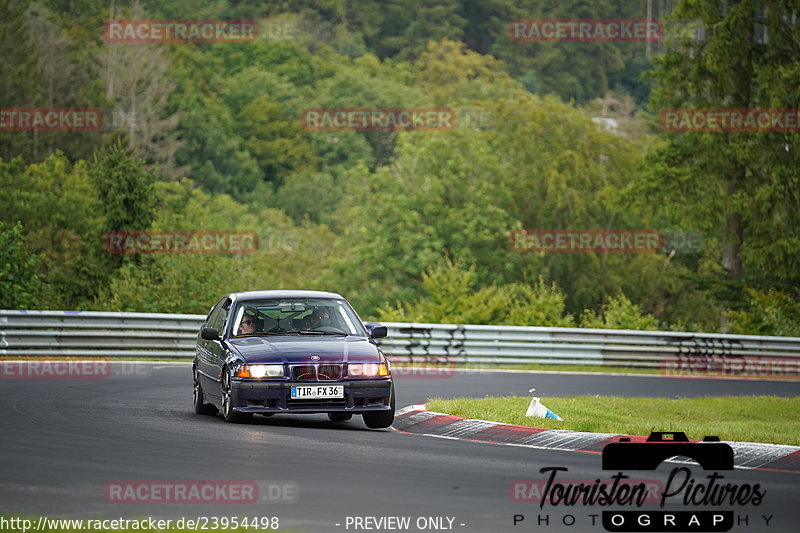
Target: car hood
{"type": "Point", "coordinates": [293, 349]}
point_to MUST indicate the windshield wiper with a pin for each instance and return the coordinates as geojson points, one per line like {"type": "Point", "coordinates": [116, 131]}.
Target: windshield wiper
{"type": "Point", "coordinates": [315, 332]}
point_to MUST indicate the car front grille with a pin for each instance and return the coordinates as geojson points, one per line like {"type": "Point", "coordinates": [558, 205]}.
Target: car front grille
{"type": "Point", "coordinates": [337, 402]}
{"type": "Point", "coordinates": [316, 372]}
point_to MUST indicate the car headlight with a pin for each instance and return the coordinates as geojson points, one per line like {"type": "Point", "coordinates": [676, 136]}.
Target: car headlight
{"type": "Point", "coordinates": [260, 371]}
{"type": "Point", "coordinates": [368, 369]}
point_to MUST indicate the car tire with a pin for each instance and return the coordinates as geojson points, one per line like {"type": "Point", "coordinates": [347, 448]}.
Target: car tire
{"type": "Point", "coordinates": [339, 417]}
{"type": "Point", "coordinates": [381, 419]}
{"type": "Point", "coordinates": [200, 407]}
{"type": "Point", "coordinates": [227, 400]}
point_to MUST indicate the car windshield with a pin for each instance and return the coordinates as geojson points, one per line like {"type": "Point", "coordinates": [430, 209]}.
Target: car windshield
{"type": "Point", "coordinates": [296, 316]}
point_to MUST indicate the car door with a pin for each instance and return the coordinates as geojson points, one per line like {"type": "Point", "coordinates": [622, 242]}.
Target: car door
{"type": "Point", "coordinates": [210, 354]}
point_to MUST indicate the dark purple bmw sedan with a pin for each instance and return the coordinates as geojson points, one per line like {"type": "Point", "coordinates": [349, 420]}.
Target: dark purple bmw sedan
{"type": "Point", "coordinates": [270, 352]}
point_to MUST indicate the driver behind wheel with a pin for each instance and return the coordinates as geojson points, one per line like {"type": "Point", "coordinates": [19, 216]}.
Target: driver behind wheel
{"type": "Point", "coordinates": [248, 325]}
{"type": "Point", "coordinates": [320, 317]}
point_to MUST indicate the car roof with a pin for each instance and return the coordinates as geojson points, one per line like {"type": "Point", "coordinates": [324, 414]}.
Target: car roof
{"type": "Point", "coordinates": [259, 295]}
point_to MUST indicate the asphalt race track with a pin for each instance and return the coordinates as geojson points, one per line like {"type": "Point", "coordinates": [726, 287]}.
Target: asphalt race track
{"type": "Point", "coordinates": [63, 440]}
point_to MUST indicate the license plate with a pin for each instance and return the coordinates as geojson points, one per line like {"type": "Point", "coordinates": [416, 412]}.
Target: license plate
{"type": "Point", "coordinates": [317, 391]}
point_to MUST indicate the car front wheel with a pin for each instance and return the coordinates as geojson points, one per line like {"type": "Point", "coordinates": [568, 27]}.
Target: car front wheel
{"type": "Point", "coordinates": [200, 407]}
{"type": "Point", "coordinates": [381, 419]}
{"type": "Point", "coordinates": [227, 402]}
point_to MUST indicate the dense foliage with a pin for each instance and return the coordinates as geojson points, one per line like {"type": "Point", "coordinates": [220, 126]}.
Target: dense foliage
{"type": "Point", "coordinates": [413, 225]}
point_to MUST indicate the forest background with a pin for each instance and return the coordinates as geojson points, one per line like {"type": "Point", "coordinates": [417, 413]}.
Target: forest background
{"type": "Point", "coordinates": [410, 226]}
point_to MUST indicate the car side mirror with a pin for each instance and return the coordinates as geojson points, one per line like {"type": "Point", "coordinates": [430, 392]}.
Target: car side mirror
{"type": "Point", "coordinates": [209, 334]}
{"type": "Point", "coordinates": [377, 332]}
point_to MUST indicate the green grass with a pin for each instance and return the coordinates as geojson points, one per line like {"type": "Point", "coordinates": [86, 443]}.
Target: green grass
{"type": "Point", "coordinates": [736, 418]}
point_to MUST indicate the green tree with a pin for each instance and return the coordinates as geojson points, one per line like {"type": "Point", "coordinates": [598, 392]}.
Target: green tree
{"type": "Point", "coordinates": [20, 286]}
{"type": "Point", "coordinates": [409, 25]}
{"type": "Point", "coordinates": [448, 72]}
{"type": "Point", "coordinates": [309, 194]}
{"type": "Point", "coordinates": [286, 59]}
{"type": "Point", "coordinates": [213, 149]}
{"type": "Point", "coordinates": [740, 188]}
{"type": "Point", "coordinates": [56, 202]}
{"type": "Point", "coordinates": [288, 256]}
{"type": "Point", "coordinates": [355, 83]}
{"type": "Point", "coordinates": [772, 312]}
{"type": "Point", "coordinates": [452, 296]}
{"type": "Point", "coordinates": [124, 186]}
{"type": "Point", "coordinates": [431, 201]}
{"type": "Point", "coordinates": [619, 313]}
{"type": "Point", "coordinates": [541, 165]}
{"type": "Point", "coordinates": [539, 304]}
{"type": "Point", "coordinates": [577, 71]}
{"type": "Point", "coordinates": [20, 78]}
{"type": "Point", "coordinates": [564, 172]}
{"type": "Point", "coordinates": [47, 62]}
{"type": "Point", "coordinates": [275, 139]}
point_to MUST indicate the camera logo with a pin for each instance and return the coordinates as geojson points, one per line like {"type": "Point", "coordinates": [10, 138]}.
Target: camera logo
{"type": "Point", "coordinates": [685, 501]}
{"type": "Point", "coordinates": [711, 454]}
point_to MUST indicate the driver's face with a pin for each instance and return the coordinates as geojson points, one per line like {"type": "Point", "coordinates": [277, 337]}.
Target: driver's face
{"type": "Point", "coordinates": [247, 326]}
{"type": "Point", "coordinates": [320, 314]}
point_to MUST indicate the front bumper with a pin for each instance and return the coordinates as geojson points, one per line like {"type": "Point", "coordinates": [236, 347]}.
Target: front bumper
{"type": "Point", "coordinates": [360, 396]}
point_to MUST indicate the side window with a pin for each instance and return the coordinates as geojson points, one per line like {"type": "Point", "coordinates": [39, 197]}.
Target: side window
{"type": "Point", "coordinates": [221, 315]}
{"type": "Point", "coordinates": [212, 316]}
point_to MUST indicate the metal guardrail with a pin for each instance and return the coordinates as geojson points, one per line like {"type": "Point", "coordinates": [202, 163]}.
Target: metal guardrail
{"type": "Point", "coordinates": [97, 334]}
{"type": "Point", "coordinates": [547, 345]}
{"type": "Point", "coordinates": [142, 335]}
